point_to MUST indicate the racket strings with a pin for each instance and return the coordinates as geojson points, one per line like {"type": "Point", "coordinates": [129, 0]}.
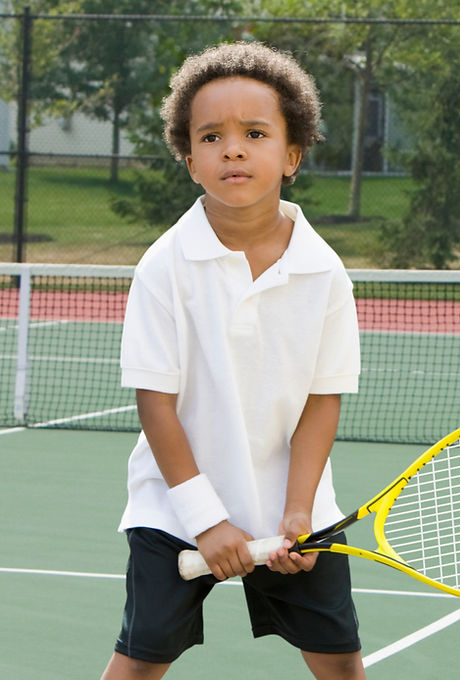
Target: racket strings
{"type": "Point", "coordinates": [423, 526]}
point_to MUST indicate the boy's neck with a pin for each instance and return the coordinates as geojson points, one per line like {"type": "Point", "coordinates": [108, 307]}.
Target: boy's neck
{"type": "Point", "coordinates": [263, 235]}
{"type": "Point", "coordinates": [245, 228]}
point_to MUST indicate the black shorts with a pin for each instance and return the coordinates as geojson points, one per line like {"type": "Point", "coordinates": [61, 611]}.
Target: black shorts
{"type": "Point", "coordinates": [163, 615]}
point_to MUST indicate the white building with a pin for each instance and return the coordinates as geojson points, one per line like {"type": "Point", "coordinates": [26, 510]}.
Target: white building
{"type": "Point", "coordinates": [78, 134]}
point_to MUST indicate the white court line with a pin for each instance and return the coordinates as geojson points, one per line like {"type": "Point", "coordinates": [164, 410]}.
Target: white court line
{"type": "Point", "coordinates": [70, 419]}
{"type": "Point", "coordinates": [52, 572]}
{"type": "Point", "coordinates": [231, 582]}
{"type": "Point", "coordinates": [404, 593]}
{"type": "Point", "coordinates": [84, 416]}
{"type": "Point", "coordinates": [12, 430]}
{"type": "Point", "coordinates": [412, 639]}
{"type": "Point", "coordinates": [64, 359]}
{"type": "Point", "coordinates": [35, 324]}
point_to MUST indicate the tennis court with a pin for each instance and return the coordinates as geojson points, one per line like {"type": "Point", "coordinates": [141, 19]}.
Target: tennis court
{"type": "Point", "coordinates": [62, 563]}
{"type": "Point", "coordinates": [66, 430]}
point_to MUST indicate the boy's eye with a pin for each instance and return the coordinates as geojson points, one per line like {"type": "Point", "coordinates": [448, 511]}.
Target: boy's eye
{"type": "Point", "coordinates": [256, 134]}
{"type": "Point", "coordinates": [210, 138]}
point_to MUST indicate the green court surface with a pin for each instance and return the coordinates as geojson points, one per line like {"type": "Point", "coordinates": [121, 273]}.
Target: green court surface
{"type": "Point", "coordinates": [62, 565]}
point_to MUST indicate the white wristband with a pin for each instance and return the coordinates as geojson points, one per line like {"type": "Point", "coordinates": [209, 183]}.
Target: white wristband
{"type": "Point", "coordinates": [197, 505]}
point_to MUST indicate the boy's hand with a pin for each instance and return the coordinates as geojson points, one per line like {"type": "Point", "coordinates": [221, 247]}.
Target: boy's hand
{"type": "Point", "coordinates": [225, 551]}
{"type": "Point", "coordinates": [282, 560]}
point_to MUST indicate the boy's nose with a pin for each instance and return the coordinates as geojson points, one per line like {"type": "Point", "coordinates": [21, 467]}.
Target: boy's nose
{"type": "Point", "coordinates": [234, 151]}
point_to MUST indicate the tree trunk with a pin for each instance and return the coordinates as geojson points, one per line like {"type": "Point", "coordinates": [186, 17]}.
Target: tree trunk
{"type": "Point", "coordinates": [114, 163]}
{"type": "Point", "coordinates": [365, 81]}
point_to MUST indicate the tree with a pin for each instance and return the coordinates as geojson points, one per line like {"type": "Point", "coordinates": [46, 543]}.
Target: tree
{"type": "Point", "coordinates": [429, 233]}
{"type": "Point", "coordinates": [350, 54]}
{"type": "Point", "coordinates": [337, 54]}
{"type": "Point", "coordinates": [162, 196]}
{"type": "Point", "coordinates": [370, 51]}
{"type": "Point", "coordinates": [108, 66]}
{"type": "Point", "coordinates": [45, 57]}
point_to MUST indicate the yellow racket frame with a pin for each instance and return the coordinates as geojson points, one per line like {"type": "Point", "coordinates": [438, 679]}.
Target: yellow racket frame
{"type": "Point", "coordinates": [381, 505]}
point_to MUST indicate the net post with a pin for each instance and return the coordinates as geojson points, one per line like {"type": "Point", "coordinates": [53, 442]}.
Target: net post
{"type": "Point", "coordinates": [22, 362]}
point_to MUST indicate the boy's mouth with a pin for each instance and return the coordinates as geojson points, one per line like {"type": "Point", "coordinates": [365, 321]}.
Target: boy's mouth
{"type": "Point", "coordinates": [235, 175]}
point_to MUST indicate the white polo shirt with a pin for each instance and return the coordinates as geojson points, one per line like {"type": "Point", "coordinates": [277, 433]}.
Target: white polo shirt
{"type": "Point", "coordinates": [243, 356]}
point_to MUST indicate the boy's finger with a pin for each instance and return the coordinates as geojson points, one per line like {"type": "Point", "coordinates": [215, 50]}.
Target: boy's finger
{"type": "Point", "coordinates": [280, 561]}
{"type": "Point", "coordinates": [304, 562]}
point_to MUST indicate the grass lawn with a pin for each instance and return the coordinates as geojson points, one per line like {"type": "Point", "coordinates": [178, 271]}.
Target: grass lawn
{"type": "Point", "coordinates": [70, 219]}
{"type": "Point", "coordinates": [380, 196]}
{"type": "Point", "coordinates": [356, 242]}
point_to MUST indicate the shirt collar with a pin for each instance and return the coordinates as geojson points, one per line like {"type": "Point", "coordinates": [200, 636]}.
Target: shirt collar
{"type": "Point", "coordinates": [307, 251]}
{"type": "Point", "coordinates": [198, 239]}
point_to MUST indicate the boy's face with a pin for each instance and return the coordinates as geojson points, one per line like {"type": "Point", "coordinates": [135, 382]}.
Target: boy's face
{"type": "Point", "coordinates": [239, 144]}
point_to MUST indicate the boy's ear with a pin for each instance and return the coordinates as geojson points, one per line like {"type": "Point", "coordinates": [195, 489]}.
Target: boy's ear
{"type": "Point", "coordinates": [191, 169]}
{"type": "Point", "coordinates": [293, 160]}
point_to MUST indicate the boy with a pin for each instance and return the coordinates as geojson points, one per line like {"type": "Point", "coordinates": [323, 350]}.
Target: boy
{"type": "Point", "coordinates": [240, 335]}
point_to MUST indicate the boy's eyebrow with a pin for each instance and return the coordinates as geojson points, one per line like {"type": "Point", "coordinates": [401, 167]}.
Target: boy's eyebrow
{"type": "Point", "coordinates": [244, 123]}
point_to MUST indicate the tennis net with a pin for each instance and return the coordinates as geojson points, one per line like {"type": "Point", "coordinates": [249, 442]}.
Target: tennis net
{"type": "Point", "coordinates": [60, 332]}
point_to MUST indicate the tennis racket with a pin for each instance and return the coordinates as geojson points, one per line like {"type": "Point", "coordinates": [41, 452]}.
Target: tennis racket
{"type": "Point", "coordinates": [416, 524]}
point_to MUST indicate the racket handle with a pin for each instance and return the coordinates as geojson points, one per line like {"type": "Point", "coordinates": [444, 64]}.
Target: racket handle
{"type": "Point", "coordinates": [192, 564]}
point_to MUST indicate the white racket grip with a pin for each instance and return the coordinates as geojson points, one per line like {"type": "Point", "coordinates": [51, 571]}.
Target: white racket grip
{"type": "Point", "coordinates": [192, 564]}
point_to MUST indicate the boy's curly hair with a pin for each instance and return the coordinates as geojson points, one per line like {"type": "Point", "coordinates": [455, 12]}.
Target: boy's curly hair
{"type": "Point", "coordinates": [298, 96]}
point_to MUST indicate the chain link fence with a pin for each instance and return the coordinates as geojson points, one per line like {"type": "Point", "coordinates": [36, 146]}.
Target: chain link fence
{"type": "Point", "coordinates": [84, 174]}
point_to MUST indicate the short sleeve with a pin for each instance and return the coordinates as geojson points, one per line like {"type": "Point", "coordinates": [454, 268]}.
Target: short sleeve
{"type": "Point", "coordinates": [149, 356]}
{"type": "Point", "coordinates": [338, 365]}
